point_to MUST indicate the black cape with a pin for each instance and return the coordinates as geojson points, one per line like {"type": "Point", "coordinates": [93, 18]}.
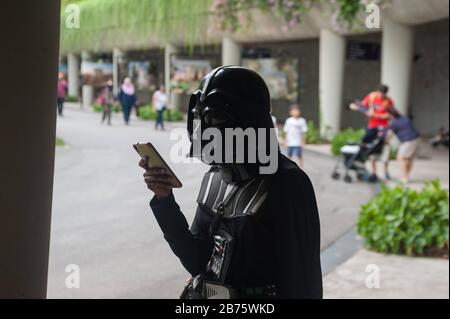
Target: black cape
{"type": "Point", "coordinates": [280, 246]}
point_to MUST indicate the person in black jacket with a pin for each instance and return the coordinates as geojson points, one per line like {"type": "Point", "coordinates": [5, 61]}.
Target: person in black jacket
{"type": "Point", "coordinates": [256, 234]}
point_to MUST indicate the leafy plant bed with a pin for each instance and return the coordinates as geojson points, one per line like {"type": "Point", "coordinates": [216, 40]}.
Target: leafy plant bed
{"type": "Point", "coordinates": [70, 98]}
{"type": "Point", "coordinates": [346, 136]}
{"type": "Point", "coordinates": [313, 134]}
{"type": "Point", "coordinates": [97, 108]}
{"type": "Point", "coordinates": [400, 220]}
{"type": "Point", "coordinates": [146, 113]}
{"type": "Point", "coordinates": [59, 142]}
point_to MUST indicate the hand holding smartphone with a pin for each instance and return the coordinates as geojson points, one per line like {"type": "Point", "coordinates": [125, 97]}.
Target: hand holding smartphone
{"type": "Point", "coordinates": [155, 160]}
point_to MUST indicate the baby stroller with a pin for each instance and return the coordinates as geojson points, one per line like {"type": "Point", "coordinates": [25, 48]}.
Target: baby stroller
{"type": "Point", "coordinates": [354, 156]}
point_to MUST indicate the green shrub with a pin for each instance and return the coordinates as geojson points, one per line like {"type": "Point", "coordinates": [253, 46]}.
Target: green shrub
{"type": "Point", "coordinates": [97, 108]}
{"type": "Point", "coordinates": [181, 87]}
{"type": "Point", "coordinates": [59, 142]}
{"type": "Point", "coordinates": [313, 134]}
{"type": "Point", "coordinates": [393, 152]}
{"type": "Point", "coordinates": [71, 98]}
{"type": "Point", "coordinates": [146, 113]}
{"type": "Point", "coordinates": [116, 108]}
{"type": "Point", "coordinates": [401, 220]}
{"type": "Point", "coordinates": [173, 116]}
{"type": "Point", "coordinates": [347, 136]}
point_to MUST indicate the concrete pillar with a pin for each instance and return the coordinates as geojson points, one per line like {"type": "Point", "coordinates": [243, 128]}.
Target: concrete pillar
{"type": "Point", "coordinates": [117, 59]}
{"type": "Point", "coordinates": [169, 51]}
{"type": "Point", "coordinates": [331, 79]}
{"type": "Point", "coordinates": [231, 52]}
{"type": "Point", "coordinates": [87, 91]}
{"type": "Point", "coordinates": [396, 64]}
{"type": "Point", "coordinates": [27, 137]}
{"type": "Point", "coordinates": [73, 74]}
{"type": "Point", "coordinates": [87, 99]}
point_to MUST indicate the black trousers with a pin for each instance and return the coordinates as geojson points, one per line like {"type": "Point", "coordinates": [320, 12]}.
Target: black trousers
{"type": "Point", "coordinates": [107, 110]}
{"type": "Point", "coordinates": [60, 105]}
{"type": "Point", "coordinates": [159, 119]}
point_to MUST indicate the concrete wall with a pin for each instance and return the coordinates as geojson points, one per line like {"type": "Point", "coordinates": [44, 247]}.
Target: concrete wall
{"type": "Point", "coordinates": [309, 79]}
{"type": "Point", "coordinates": [307, 53]}
{"type": "Point", "coordinates": [430, 80]}
{"type": "Point", "coordinates": [361, 77]}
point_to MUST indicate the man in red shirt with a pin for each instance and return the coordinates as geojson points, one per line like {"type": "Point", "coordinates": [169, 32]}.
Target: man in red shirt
{"type": "Point", "coordinates": [378, 106]}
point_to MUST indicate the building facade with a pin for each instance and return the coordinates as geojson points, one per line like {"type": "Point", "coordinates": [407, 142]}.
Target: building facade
{"type": "Point", "coordinates": [312, 64]}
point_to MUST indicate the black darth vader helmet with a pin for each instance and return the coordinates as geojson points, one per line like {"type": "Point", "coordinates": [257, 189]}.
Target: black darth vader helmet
{"type": "Point", "coordinates": [229, 97]}
{"type": "Point", "coordinates": [235, 93]}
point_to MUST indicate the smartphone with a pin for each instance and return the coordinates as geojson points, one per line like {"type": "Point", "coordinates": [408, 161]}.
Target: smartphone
{"type": "Point", "coordinates": [156, 160]}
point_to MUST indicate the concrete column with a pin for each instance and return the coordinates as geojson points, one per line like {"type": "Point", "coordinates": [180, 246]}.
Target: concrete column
{"type": "Point", "coordinates": [231, 52]}
{"type": "Point", "coordinates": [87, 91]}
{"type": "Point", "coordinates": [117, 58]}
{"type": "Point", "coordinates": [87, 96]}
{"type": "Point", "coordinates": [73, 74]}
{"type": "Point", "coordinates": [27, 137]}
{"type": "Point", "coordinates": [331, 79]}
{"type": "Point", "coordinates": [169, 51]}
{"type": "Point", "coordinates": [397, 58]}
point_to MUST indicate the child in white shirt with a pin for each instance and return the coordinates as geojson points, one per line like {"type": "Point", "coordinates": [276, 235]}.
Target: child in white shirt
{"type": "Point", "coordinates": [295, 128]}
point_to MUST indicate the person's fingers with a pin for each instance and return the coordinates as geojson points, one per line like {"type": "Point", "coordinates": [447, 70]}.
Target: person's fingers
{"type": "Point", "coordinates": [143, 163]}
{"type": "Point", "coordinates": [159, 175]}
{"type": "Point", "coordinates": [156, 170]}
{"type": "Point", "coordinates": [161, 192]}
{"type": "Point", "coordinates": [150, 179]}
{"type": "Point", "coordinates": [159, 185]}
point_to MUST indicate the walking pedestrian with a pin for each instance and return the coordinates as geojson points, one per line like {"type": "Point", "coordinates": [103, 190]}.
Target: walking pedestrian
{"type": "Point", "coordinates": [159, 101]}
{"type": "Point", "coordinates": [127, 98]}
{"type": "Point", "coordinates": [377, 106]}
{"type": "Point", "coordinates": [108, 100]}
{"type": "Point", "coordinates": [62, 92]}
{"type": "Point", "coordinates": [295, 128]}
{"type": "Point", "coordinates": [409, 138]}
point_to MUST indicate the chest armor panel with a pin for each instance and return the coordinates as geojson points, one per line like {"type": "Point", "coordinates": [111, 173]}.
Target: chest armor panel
{"type": "Point", "coordinates": [237, 199]}
{"type": "Point", "coordinates": [234, 200]}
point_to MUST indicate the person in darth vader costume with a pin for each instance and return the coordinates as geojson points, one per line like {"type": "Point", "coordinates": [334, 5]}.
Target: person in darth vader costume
{"type": "Point", "coordinates": [254, 235]}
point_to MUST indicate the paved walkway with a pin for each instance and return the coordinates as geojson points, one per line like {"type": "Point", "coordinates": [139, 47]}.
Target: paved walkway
{"type": "Point", "coordinates": [349, 269]}
{"type": "Point", "coordinates": [429, 164]}
{"type": "Point", "coordinates": [399, 277]}
{"type": "Point", "coordinates": [101, 219]}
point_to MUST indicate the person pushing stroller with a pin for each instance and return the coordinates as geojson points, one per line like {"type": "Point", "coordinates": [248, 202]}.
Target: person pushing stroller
{"type": "Point", "coordinates": [378, 108]}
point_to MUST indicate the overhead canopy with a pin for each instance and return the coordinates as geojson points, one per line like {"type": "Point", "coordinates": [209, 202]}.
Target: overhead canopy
{"type": "Point", "coordinates": [146, 24]}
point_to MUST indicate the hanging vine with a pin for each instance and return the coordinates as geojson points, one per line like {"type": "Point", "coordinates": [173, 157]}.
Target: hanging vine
{"type": "Point", "coordinates": [105, 24]}
{"type": "Point", "coordinates": [344, 13]}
